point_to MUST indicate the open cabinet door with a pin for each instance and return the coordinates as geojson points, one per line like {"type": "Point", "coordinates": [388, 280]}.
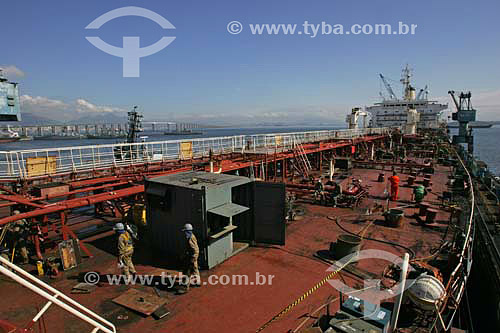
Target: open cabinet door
{"type": "Point", "coordinates": [269, 213]}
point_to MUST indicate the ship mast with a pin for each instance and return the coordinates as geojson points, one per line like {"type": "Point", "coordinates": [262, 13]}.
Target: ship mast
{"type": "Point", "coordinates": [134, 125]}
{"type": "Point", "coordinates": [405, 80]}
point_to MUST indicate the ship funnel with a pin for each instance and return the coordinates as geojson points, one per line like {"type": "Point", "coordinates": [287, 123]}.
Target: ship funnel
{"type": "Point", "coordinates": [410, 94]}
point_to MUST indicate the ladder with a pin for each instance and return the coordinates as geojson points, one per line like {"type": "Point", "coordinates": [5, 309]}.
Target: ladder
{"type": "Point", "coordinates": [300, 155]}
{"type": "Point", "coordinates": [54, 296]}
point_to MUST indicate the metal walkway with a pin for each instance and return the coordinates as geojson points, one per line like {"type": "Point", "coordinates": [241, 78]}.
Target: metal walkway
{"type": "Point", "coordinates": [24, 164]}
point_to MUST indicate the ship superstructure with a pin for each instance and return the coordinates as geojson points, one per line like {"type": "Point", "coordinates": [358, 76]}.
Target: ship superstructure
{"type": "Point", "coordinates": [392, 111]}
{"type": "Point", "coordinates": [9, 100]}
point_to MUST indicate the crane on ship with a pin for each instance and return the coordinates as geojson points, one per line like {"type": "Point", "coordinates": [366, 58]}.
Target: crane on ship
{"type": "Point", "coordinates": [464, 115]}
{"type": "Point", "coordinates": [392, 95]}
{"type": "Point", "coordinates": [422, 94]}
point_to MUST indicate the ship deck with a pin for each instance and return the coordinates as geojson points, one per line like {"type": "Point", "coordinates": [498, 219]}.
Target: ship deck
{"type": "Point", "coordinates": [295, 268]}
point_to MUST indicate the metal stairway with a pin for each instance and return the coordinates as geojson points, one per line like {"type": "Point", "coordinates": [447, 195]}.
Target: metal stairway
{"type": "Point", "coordinates": [300, 155]}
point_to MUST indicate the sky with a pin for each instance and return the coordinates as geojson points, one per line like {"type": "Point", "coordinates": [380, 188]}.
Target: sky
{"type": "Point", "coordinates": [208, 75]}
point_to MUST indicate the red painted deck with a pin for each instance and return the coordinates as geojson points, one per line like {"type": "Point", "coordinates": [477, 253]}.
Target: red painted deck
{"type": "Point", "coordinates": [233, 308]}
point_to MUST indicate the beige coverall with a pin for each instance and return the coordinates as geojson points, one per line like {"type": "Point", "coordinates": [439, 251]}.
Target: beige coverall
{"type": "Point", "coordinates": [125, 251]}
{"type": "Point", "coordinates": [192, 253]}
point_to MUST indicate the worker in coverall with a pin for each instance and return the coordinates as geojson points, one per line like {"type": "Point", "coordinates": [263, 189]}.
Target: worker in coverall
{"type": "Point", "coordinates": [191, 260]}
{"type": "Point", "coordinates": [394, 180]}
{"type": "Point", "coordinates": [336, 192]}
{"type": "Point", "coordinates": [419, 193]}
{"type": "Point", "coordinates": [20, 232]}
{"type": "Point", "coordinates": [125, 250]}
{"type": "Point", "coordinates": [319, 190]}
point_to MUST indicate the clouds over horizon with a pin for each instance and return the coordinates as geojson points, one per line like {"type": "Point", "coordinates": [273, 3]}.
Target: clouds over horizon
{"type": "Point", "coordinates": [64, 111]}
{"type": "Point", "coordinates": [67, 111]}
{"type": "Point", "coordinates": [11, 70]}
{"type": "Point", "coordinates": [309, 114]}
{"type": "Point", "coordinates": [487, 104]}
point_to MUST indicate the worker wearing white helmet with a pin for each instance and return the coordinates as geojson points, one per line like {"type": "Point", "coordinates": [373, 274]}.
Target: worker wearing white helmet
{"type": "Point", "coordinates": [125, 250]}
{"type": "Point", "coordinates": [192, 253]}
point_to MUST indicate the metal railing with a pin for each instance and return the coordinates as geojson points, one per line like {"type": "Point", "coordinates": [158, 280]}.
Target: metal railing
{"type": "Point", "coordinates": [52, 161]}
{"type": "Point", "coordinates": [54, 296]}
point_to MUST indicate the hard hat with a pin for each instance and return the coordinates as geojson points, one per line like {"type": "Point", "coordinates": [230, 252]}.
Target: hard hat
{"type": "Point", "coordinates": [119, 226]}
{"type": "Point", "coordinates": [16, 212]}
{"type": "Point", "coordinates": [187, 227]}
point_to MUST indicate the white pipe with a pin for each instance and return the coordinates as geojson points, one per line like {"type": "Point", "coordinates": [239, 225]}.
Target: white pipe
{"type": "Point", "coordinates": [53, 299]}
{"type": "Point", "coordinates": [399, 292]}
{"type": "Point", "coordinates": [332, 169]}
{"type": "Point", "coordinates": [42, 311]}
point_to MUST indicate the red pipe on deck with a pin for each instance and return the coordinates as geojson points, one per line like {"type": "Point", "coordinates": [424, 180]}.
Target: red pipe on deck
{"type": "Point", "coordinates": [74, 203]}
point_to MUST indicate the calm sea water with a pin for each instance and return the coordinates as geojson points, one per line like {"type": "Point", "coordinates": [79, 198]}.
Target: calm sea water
{"type": "Point", "coordinates": [487, 147]}
{"type": "Point", "coordinates": [487, 140]}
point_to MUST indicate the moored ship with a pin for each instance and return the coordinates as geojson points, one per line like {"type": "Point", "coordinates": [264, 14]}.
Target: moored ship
{"type": "Point", "coordinates": [392, 111]}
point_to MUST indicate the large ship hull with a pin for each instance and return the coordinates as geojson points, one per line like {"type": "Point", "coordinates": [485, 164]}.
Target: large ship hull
{"type": "Point", "coordinates": [7, 140]}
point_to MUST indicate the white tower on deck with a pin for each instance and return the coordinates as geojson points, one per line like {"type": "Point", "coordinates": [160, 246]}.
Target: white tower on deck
{"type": "Point", "coordinates": [412, 119]}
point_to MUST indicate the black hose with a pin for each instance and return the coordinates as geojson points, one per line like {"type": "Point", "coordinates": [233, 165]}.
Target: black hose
{"type": "Point", "coordinates": [410, 251]}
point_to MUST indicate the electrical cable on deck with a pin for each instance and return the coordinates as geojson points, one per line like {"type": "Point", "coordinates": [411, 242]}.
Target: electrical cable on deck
{"type": "Point", "coordinates": [410, 251]}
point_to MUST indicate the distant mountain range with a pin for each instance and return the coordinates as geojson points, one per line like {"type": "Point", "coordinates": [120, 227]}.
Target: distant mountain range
{"type": "Point", "coordinates": [101, 118]}
{"type": "Point", "coordinates": [29, 119]}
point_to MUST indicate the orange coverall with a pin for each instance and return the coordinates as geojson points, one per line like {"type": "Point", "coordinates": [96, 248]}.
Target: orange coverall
{"type": "Point", "coordinates": [394, 187]}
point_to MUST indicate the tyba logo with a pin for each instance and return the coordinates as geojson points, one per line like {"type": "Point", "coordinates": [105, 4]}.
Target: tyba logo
{"type": "Point", "coordinates": [131, 52]}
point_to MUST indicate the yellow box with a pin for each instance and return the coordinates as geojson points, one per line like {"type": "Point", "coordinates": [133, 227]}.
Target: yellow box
{"type": "Point", "coordinates": [186, 150]}
{"type": "Point", "coordinates": [37, 166]}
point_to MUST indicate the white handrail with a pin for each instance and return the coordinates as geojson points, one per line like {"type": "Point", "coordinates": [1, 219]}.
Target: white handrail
{"type": "Point", "coordinates": [14, 164]}
{"type": "Point", "coordinates": [58, 298]}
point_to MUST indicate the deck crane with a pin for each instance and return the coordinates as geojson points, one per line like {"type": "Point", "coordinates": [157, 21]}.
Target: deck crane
{"type": "Point", "coordinates": [392, 95]}
{"type": "Point", "coordinates": [353, 118]}
{"type": "Point", "coordinates": [465, 113]}
{"type": "Point", "coordinates": [422, 94]}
